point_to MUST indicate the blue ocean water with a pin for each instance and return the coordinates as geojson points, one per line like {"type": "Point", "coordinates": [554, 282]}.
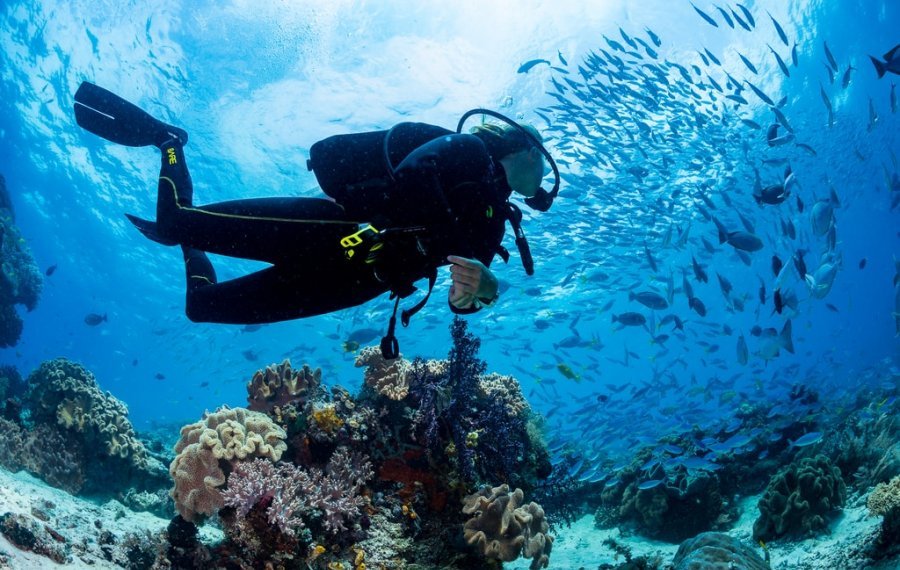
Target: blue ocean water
{"type": "Point", "coordinates": [257, 85]}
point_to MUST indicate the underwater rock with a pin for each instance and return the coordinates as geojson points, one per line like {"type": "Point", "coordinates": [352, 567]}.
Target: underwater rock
{"type": "Point", "coordinates": [29, 534]}
{"type": "Point", "coordinates": [799, 498]}
{"type": "Point", "coordinates": [717, 551]}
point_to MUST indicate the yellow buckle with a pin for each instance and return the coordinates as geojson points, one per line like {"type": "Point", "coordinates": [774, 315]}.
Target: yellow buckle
{"type": "Point", "coordinates": [355, 239]}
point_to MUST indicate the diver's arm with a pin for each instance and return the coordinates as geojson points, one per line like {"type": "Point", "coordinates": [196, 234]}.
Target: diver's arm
{"type": "Point", "coordinates": [473, 285]}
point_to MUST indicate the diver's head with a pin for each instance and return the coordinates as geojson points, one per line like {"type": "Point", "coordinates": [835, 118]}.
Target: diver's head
{"type": "Point", "coordinates": [522, 161]}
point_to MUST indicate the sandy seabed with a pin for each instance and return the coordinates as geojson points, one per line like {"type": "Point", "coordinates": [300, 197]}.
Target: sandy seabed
{"type": "Point", "coordinates": [84, 528]}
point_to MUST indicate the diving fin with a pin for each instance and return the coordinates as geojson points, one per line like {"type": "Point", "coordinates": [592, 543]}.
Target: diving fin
{"type": "Point", "coordinates": [149, 229]}
{"type": "Point", "coordinates": [109, 116]}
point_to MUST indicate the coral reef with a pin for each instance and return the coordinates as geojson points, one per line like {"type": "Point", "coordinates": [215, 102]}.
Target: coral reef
{"type": "Point", "coordinates": [208, 447]}
{"type": "Point", "coordinates": [64, 399]}
{"type": "Point", "coordinates": [681, 506]}
{"type": "Point", "coordinates": [717, 551]}
{"type": "Point", "coordinates": [884, 501]}
{"type": "Point", "coordinates": [389, 378]}
{"type": "Point", "coordinates": [502, 527]}
{"type": "Point", "coordinates": [20, 279]}
{"type": "Point", "coordinates": [799, 498]}
{"type": "Point", "coordinates": [322, 479]}
{"type": "Point", "coordinates": [295, 496]}
{"type": "Point", "coordinates": [278, 385]}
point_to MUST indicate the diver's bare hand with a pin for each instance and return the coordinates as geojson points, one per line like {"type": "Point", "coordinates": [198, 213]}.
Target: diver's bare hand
{"type": "Point", "coordinates": [470, 279]}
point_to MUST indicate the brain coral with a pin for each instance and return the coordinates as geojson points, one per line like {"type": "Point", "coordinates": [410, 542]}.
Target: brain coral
{"type": "Point", "coordinates": [502, 527]}
{"type": "Point", "coordinates": [205, 447]}
{"type": "Point", "coordinates": [798, 499]}
{"type": "Point", "coordinates": [716, 551]}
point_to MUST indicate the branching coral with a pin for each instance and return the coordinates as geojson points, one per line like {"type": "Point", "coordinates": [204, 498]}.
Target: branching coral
{"type": "Point", "coordinates": [278, 385]}
{"type": "Point", "coordinates": [207, 446]}
{"type": "Point", "coordinates": [502, 527]}
{"type": "Point", "coordinates": [798, 499]}
{"type": "Point", "coordinates": [390, 378]}
{"type": "Point", "coordinates": [295, 496]}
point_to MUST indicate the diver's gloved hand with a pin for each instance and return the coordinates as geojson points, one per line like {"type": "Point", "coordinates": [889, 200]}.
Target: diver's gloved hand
{"type": "Point", "coordinates": [473, 283]}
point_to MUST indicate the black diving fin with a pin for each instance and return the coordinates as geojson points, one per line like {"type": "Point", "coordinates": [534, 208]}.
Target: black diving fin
{"type": "Point", "coordinates": [109, 116]}
{"type": "Point", "coordinates": [149, 230]}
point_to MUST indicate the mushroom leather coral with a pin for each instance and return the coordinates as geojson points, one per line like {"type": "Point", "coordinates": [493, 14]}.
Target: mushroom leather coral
{"type": "Point", "coordinates": [502, 527]}
{"type": "Point", "coordinates": [226, 435]}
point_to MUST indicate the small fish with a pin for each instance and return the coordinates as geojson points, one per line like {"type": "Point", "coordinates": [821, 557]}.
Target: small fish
{"type": "Point", "coordinates": [747, 15]}
{"type": "Point", "coordinates": [782, 119]}
{"type": "Point", "coordinates": [891, 63]}
{"type": "Point", "coordinates": [862, 263]}
{"type": "Point", "coordinates": [362, 336]}
{"type": "Point", "coordinates": [776, 265]}
{"type": "Point", "coordinates": [533, 291]}
{"type": "Point", "coordinates": [893, 99]}
{"type": "Point", "coordinates": [134, 362]}
{"type": "Point", "coordinates": [807, 439]}
{"type": "Point", "coordinates": [204, 384]}
{"type": "Point", "coordinates": [794, 59]}
{"type": "Point", "coordinates": [650, 484]}
{"type": "Point", "coordinates": [742, 351]}
{"type": "Point", "coordinates": [781, 64]}
{"type": "Point", "coordinates": [50, 270]}
{"type": "Point", "coordinates": [250, 355]}
{"type": "Point", "coordinates": [751, 124]}
{"type": "Point", "coordinates": [649, 299]}
{"type": "Point", "coordinates": [567, 371]}
{"type": "Point", "coordinates": [825, 98]}
{"type": "Point", "coordinates": [845, 80]}
{"type": "Point", "coordinates": [712, 58]}
{"type": "Point", "coordinates": [653, 37]}
{"type": "Point", "coordinates": [831, 61]}
{"type": "Point", "coordinates": [725, 16]}
{"type": "Point", "coordinates": [738, 19]}
{"type": "Point", "coordinates": [744, 241]}
{"type": "Point", "coordinates": [561, 58]}
{"type": "Point", "coordinates": [160, 376]}
{"type": "Point", "coordinates": [699, 272]}
{"type": "Point", "coordinates": [705, 16]}
{"type": "Point", "coordinates": [779, 29]}
{"type": "Point", "coordinates": [630, 319]}
{"type": "Point", "coordinates": [832, 308]}
{"type": "Point", "coordinates": [698, 306]}
{"type": "Point", "coordinates": [250, 328]}
{"type": "Point", "coordinates": [93, 319]}
{"type": "Point", "coordinates": [873, 117]}
{"type": "Point", "coordinates": [749, 65]}
{"type": "Point", "coordinates": [765, 98]}
{"type": "Point", "coordinates": [350, 346]}
{"type": "Point", "coordinates": [526, 67]}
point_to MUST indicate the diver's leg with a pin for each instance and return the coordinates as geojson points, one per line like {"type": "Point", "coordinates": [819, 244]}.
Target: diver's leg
{"type": "Point", "coordinates": [266, 229]}
{"type": "Point", "coordinates": [277, 293]}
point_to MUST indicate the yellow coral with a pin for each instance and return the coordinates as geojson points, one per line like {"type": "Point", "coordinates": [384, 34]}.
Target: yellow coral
{"type": "Point", "coordinates": [885, 497]}
{"type": "Point", "coordinates": [327, 419]}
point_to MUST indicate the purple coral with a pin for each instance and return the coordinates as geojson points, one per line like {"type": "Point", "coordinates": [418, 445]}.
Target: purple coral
{"type": "Point", "coordinates": [293, 496]}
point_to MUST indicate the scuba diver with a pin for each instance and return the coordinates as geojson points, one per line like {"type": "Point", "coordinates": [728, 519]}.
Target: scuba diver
{"type": "Point", "coordinates": [402, 202]}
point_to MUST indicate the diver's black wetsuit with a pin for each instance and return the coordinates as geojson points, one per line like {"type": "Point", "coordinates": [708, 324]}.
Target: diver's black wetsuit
{"type": "Point", "coordinates": [449, 185]}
